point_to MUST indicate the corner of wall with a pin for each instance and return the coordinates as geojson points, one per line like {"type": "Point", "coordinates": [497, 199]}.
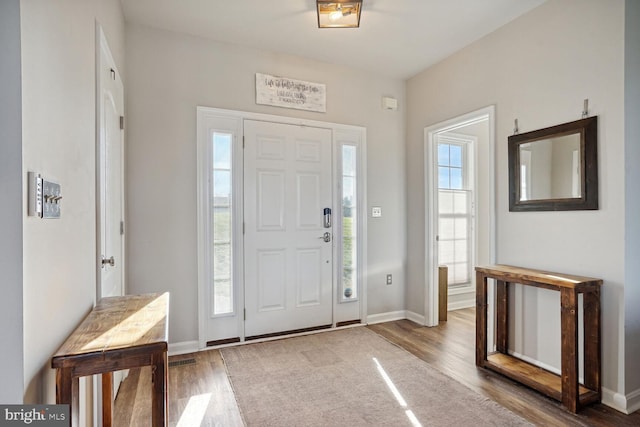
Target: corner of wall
{"type": "Point", "coordinates": [11, 303]}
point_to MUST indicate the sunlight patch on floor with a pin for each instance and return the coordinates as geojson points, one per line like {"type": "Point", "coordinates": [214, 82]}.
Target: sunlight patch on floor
{"type": "Point", "coordinates": [194, 412]}
{"type": "Point", "coordinates": [394, 390]}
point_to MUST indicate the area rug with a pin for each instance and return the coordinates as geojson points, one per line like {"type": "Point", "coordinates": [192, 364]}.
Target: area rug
{"type": "Point", "coordinates": [350, 377]}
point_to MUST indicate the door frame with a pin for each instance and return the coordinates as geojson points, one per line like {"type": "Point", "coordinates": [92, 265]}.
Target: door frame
{"type": "Point", "coordinates": [431, 309]}
{"type": "Point", "coordinates": [234, 119]}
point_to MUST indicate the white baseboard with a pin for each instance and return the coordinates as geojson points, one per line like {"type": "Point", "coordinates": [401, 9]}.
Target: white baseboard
{"type": "Point", "coordinates": [614, 400]}
{"type": "Point", "coordinates": [183, 347]}
{"type": "Point", "coordinates": [395, 315]}
{"type": "Point", "coordinates": [415, 317]}
{"type": "Point", "coordinates": [632, 402]}
{"type": "Point", "coordinates": [459, 305]}
{"type": "Point", "coordinates": [386, 317]}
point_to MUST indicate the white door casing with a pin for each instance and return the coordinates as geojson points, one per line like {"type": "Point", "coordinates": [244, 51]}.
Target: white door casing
{"type": "Point", "coordinates": [288, 263]}
{"type": "Point", "coordinates": [487, 202]}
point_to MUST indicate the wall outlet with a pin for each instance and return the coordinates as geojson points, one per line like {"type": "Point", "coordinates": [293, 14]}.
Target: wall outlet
{"type": "Point", "coordinates": [389, 279]}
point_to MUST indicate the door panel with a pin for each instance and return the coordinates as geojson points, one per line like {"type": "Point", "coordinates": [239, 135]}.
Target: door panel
{"type": "Point", "coordinates": [308, 262]}
{"type": "Point", "coordinates": [271, 206]}
{"type": "Point", "coordinates": [111, 195]}
{"type": "Point", "coordinates": [271, 280]}
{"type": "Point", "coordinates": [288, 264]}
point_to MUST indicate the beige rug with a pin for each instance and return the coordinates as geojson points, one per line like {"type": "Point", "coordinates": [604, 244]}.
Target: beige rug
{"type": "Point", "coordinates": [350, 377]}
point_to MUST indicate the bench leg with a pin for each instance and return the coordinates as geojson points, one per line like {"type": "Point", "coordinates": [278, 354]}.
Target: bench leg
{"type": "Point", "coordinates": [159, 414]}
{"type": "Point", "coordinates": [68, 392]}
{"type": "Point", "coordinates": [107, 399]}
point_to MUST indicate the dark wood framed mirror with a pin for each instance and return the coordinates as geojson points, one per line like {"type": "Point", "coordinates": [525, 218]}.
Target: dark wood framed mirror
{"type": "Point", "coordinates": [555, 169]}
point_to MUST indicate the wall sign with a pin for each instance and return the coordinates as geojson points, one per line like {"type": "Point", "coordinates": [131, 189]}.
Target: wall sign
{"type": "Point", "coordinates": [290, 93]}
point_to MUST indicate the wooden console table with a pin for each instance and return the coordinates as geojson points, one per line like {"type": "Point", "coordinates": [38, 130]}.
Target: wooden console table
{"type": "Point", "coordinates": [566, 387]}
{"type": "Point", "coordinates": [119, 333]}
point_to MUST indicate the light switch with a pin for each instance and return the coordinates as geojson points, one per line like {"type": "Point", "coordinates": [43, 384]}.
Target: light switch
{"type": "Point", "coordinates": [51, 199]}
{"type": "Point", "coordinates": [376, 212]}
{"type": "Point", "coordinates": [44, 197]}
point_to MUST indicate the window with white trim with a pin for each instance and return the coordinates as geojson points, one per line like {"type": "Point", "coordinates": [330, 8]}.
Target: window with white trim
{"type": "Point", "coordinates": [455, 216]}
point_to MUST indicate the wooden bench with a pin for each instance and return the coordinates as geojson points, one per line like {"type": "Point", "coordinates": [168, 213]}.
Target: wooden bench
{"type": "Point", "coordinates": [119, 333]}
{"type": "Point", "coordinates": [565, 387]}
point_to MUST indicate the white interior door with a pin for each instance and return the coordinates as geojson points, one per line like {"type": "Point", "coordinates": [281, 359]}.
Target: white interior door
{"type": "Point", "coordinates": [110, 187]}
{"type": "Point", "coordinates": [110, 107]}
{"type": "Point", "coordinates": [288, 261]}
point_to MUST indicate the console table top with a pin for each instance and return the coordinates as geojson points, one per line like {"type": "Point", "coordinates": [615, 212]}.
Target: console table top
{"type": "Point", "coordinates": [534, 277]}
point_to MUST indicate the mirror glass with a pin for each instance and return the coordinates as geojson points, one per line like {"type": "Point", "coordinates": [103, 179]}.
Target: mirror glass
{"type": "Point", "coordinates": [555, 169]}
{"type": "Point", "coordinates": [550, 168]}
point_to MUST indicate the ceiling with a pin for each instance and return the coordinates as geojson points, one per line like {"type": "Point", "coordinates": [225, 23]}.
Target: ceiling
{"type": "Point", "coordinates": [396, 38]}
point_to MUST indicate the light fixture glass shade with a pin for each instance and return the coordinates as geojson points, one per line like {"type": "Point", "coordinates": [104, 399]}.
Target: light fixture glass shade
{"type": "Point", "coordinates": [338, 14]}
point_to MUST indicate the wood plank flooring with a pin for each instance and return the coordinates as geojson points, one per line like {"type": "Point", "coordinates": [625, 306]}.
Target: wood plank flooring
{"type": "Point", "coordinates": [200, 392]}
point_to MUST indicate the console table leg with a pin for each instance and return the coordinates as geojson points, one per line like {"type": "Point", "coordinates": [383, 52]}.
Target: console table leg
{"type": "Point", "coordinates": [502, 316]}
{"type": "Point", "coordinates": [569, 321]}
{"type": "Point", "coordinates": [592, 351]}
{"type": "Point", "coordinates": [481, 319]}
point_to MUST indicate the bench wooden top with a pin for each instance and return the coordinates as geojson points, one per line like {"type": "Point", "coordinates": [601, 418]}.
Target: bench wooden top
{"type": "Point", "coordinates": [533, 277]}
{"type": "Point", "coordinates": [117, 323]}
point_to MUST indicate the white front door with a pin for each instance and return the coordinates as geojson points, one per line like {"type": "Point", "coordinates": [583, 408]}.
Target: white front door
{"type": "Point", "coordinates": [288, 245]}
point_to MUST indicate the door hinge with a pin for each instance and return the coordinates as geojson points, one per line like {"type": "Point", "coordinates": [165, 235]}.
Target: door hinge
{"type": "Point", "coordinates": [121, 122]}
{"type": "Point", "coordinates": [245, 314]}
{"type": "Point", "coordinates": [243, 228]}
{"type": "Point", "coordinates": [242, 141]}
{"type": "Point", "coordinates": [122, 228]}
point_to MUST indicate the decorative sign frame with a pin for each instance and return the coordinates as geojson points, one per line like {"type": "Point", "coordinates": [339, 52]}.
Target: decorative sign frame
{"type": "Point", "coordinates": [290, 93]}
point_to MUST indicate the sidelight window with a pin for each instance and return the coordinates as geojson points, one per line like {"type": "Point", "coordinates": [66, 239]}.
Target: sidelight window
{"type": "Point", "coordinates": [349, 222]}
{"type": "Point", "coordinates": [221, 208]}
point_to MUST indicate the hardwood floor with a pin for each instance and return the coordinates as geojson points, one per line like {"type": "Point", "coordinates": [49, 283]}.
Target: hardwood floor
{"type": "Point", "coordinates": [199, 394]}
{"type": "Point", "coordinates": [201, 390]}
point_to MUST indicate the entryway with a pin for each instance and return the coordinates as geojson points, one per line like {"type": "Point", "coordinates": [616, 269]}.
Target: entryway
{"type": "Point", "coordinates": [460, 206]}
{"type": "Point", "coordinates": [281, 225]}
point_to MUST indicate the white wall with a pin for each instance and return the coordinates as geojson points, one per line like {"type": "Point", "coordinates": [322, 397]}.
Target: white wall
{"type": "Point", "coordinates": [169, 75]}
{"type": "Point", "coordinates": [632, 196]}
{"type": "Point", "coordinates": [58, 114]}
{"type": "Point", "coordinates": [538, 69]}
{"type": "Point", "coordinates": [11, 365]}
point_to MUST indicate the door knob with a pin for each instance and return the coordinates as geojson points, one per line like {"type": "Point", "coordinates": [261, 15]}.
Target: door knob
{"type": "Point", "coordinates": [111, 261]}
{"type": "Point", "coordinates": [326, 237]}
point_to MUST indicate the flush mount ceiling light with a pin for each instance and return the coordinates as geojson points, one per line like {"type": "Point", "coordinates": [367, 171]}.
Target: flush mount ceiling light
{"type": "Point", "coordinates": [338, 14]}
